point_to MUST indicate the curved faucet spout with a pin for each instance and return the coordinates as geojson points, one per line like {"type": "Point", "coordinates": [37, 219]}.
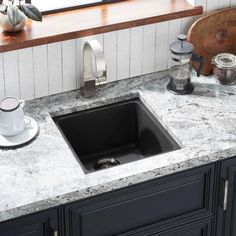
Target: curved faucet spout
{"type": "Point", "coordinates": [93, 52]}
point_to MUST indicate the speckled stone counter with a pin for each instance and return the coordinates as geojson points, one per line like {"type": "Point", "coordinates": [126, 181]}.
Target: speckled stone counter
{"type": "Point", "coordinates": [45, 173]}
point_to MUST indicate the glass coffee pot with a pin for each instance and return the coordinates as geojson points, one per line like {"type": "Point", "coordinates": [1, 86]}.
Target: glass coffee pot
{"type": "Point", "coordinates": [180, 72]}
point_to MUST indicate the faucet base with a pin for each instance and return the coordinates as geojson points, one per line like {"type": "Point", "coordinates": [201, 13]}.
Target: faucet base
{"type": "Point", "coordinates": [89, 88]}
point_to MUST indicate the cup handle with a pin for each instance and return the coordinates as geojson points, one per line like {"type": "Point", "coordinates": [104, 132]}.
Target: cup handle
{"type": "Point", "coordinates": [22, 103]}
{"type": "Point", "coordinates": [27, 121]}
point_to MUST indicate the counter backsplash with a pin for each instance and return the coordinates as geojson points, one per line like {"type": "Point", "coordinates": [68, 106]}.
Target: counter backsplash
{"type": "Point", "coordinates": [53, 68]}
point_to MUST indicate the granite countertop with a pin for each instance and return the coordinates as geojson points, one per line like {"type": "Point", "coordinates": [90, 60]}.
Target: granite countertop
{"type": "Point", "coordinates": [45, 173]}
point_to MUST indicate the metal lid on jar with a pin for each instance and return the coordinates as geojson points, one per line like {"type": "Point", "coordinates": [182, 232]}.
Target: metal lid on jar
{"type": "Point", "coordinates": [181, 47]}
{"type": "Point", "coordinates": [224, 60]}
{"type": "Point", "coordinates": [8, 104]}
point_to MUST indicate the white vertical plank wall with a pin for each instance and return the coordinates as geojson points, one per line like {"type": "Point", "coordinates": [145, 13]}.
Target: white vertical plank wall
{"type": "Point", "coordinates": [40, 65]}
{"type": "Point", "coordinates": [233, 3]}
{"type": "Point", "coordinates": [2, 82]}
{"type": "Point", "coordinates": [191, 2]}
{"type": "Point", "coordinates": [69, 65]}
{"type": "Point", "coordinates": [136, 50]}
{"type": "Point", "coordinates": [224, 3]}
{"type": "Point", "coordinates": [55, 68]}
{"type": "Point", "coordinates": [48, 69]}
{"type": "Point", "coordinates": [123, 53]}
{"type": "Point", "coordinates": [11, 73]}
{"type": "Point", "coordinates": [212, 5]}
{"type": "Point", "coordinates": [162, 45]}
{"type": "Point", "coordinates": [186, 24]}
{"type": "Point", "coordinates": [110, 54]}
{"type": "Point", "coordinates": [79, 61]}
{"type": "Point", "coordinates": [26, 73]}
{"type": "Point", "coordinates": [149, 49]}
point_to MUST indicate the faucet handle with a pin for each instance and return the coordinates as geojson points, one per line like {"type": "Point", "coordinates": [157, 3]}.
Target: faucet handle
{"type": "Point", "coordinates": [102, 78]}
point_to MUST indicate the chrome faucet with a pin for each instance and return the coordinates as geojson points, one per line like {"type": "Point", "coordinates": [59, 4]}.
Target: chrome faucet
{"type": "Point", "coordinates": [93, 55]}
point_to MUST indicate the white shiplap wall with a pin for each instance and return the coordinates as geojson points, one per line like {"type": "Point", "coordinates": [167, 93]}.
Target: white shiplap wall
{"type": "Point", "coordinates": [48, 69]}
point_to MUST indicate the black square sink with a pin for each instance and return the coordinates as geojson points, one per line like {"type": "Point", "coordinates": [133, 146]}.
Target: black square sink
{"type": "Point", "coordinates": [114, 134]}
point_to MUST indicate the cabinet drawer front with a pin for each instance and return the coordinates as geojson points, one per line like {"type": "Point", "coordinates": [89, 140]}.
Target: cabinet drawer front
{"type": "Point", "coordinates": [199, 228]}
{"type": "Point", "coordinates": [162, 200]}
{"type": "Point", "coordinates": [195, 230]}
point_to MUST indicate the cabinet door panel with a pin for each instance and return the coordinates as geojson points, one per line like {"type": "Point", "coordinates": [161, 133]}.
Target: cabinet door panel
{"type": "Point", "coordinates": [186, 195]}
{"type": "Point", "coordinates": [39, 224]}
{"type": "Point", "coordinates": [227, 214]}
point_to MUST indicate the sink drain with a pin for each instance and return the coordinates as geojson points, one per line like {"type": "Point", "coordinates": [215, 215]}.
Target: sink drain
{"type": "Point", "coordinates": [105, 163]}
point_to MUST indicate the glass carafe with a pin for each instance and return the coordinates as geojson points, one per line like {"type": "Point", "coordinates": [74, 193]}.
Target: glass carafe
{"type": "Point", "coordinates": [180, 71]}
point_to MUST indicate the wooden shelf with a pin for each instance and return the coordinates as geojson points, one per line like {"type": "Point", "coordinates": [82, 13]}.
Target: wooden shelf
{"type": "Point", "coordinates": [93, 20]}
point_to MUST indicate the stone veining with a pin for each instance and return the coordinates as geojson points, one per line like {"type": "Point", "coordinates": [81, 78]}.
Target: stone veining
{"type": "Point", "coordinates": [45, 173]}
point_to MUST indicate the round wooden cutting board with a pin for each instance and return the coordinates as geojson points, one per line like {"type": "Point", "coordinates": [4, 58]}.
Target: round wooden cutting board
{"type": "Point", "coordinates": [213, 34]}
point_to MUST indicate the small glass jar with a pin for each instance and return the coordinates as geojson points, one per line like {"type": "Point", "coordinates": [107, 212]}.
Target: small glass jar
{"type": "Point", "coordinates": [225, 68]}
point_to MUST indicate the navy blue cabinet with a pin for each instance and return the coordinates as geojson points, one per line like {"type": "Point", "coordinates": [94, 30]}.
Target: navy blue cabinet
{"type": "Point", "coordinates": [162, 203]}
{"type": "Point", "coordinates": [39, 224]}
{"type": "Point", "coordinates": [226, 225]}
{"type": "Point", "coordinates": [181, 204]}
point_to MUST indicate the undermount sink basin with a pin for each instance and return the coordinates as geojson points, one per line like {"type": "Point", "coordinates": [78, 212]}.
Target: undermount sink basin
{"type": "Point", "coordinates": [114, 134]}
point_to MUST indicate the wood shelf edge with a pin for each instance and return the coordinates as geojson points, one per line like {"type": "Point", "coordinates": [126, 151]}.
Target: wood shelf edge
{"type": "Point", "coordinates": [22, 40]}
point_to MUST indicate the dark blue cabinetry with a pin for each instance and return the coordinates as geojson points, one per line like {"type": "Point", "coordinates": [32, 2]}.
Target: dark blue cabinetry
{"type": "Point", "coordinates": [161, 204]}
{"type": "Point", "coordinates": [39, 224]}
{"type": "Point", "coordinates": [226, 224]}
{"type": "Point", "coordinates": [181, 204]}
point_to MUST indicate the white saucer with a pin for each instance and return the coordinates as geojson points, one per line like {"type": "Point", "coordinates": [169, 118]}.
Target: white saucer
{"type": "Point", "coordinates": [30, 131]}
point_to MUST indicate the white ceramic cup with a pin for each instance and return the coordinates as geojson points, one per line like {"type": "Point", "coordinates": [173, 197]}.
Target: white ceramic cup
{"type": "Point", "coordinates": [12, 118]}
